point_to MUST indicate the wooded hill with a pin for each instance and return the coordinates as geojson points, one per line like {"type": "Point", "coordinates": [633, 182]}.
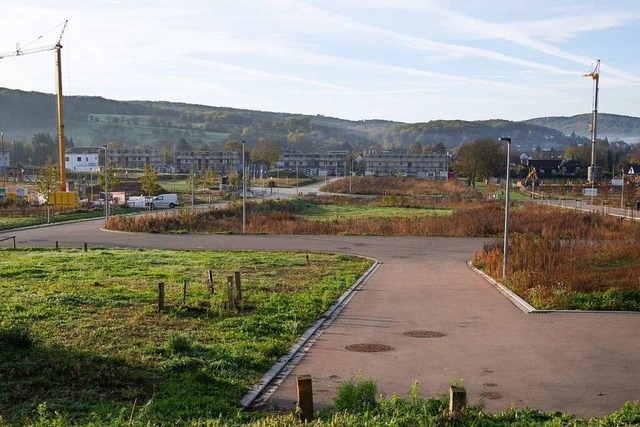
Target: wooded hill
{"type": "Point", "coordinates": [612, 126]}
{"type": "Point", "coordinates": [93, 121]}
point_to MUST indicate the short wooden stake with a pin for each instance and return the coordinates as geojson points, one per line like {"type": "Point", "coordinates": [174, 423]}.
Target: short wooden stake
{"type": "Point", "coordinates": [85, 247]}
{"type": "Point", "coordinates": [160, 296]}
{"type": "Point", "coordinates": [457, 399]}
{"type": "Point", "coordinates": [57, 247]}
{"type": "Point", "coordinates": [308, 262]}
{"type": "Point", "coordinates": [230, 292]}
{"type": "Point", "coordinates": [184, 293]}
{"type": "Point", "coordinates": [210, 284]}
{"type": "Point", "coordinates": [305, 397]}
{"type": "Point", "coordinates": [238, 287]}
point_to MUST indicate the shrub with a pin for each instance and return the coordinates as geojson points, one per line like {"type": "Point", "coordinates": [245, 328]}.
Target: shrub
{"type": "Point", "coordinates": [179, 343]}
{"type": "Point", "coordinates": [356, 396]}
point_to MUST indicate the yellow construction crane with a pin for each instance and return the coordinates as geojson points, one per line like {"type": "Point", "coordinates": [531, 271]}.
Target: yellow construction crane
{"type": "Point", "coordinates": [57, 48]}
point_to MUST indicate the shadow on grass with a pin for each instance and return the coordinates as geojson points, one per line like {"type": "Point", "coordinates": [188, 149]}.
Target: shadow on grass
{"type": "Point", "coordinates": [83, 387]}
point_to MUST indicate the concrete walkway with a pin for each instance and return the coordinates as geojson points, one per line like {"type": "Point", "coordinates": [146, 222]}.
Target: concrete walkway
{"type": "Point", "coordinates": [587, 364]}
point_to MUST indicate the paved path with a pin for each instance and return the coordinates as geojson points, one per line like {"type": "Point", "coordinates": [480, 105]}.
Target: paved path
{"type": "Point", "coordinates": [587, 364]}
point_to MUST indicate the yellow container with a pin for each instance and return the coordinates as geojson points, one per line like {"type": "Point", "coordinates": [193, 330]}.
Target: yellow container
{"type": "Point", "coordinates": [64, 199]}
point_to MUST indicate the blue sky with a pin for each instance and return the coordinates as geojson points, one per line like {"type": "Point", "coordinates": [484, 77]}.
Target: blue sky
{"type": "Point", "coordinates": [404, 60]}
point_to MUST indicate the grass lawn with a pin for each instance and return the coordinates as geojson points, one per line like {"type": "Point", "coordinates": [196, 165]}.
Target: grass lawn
{"type": "Point", "coordinates": [81, 333]}
{"type": "Point", "coordinates": [333, 212]}
{"type": "Point", "coordinates": [7, 223]}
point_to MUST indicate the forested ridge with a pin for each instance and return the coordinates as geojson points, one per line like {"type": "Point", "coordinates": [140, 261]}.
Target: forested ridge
{"type": "Point", "coordinates": [92, 121]}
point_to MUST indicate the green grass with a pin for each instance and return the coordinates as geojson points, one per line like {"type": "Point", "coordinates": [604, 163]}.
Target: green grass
{"type": "Point", "coordinates": [80, 332]}
{"type": "Point", "coordinates": [332, 212]}
{"type": "Point", "coordinates": [7, 223]}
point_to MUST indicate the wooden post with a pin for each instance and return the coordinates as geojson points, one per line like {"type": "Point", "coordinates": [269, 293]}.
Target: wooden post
{"type": "Point", "coordinates": [210, 284]}
{"type": "Point", "coordinates": [308, 261]}
{"type": "Point", "coordinates": [14, 239]}
{"type": "Point", "coordinates": [457, 399]}
{"type": "Point", "coordinates": [85, 247]}
{"type": "Point", "coordinates": [305, 397]}
{"type": "Point", "coordinates": [230, 292]}
{"type": "Point", "coordinates": [238, 287]}
{"type": "Point", "coordinates": [184, 293]}
{"type": "Point", "coordinates": [57, 247]}
{"type": "Point", "coordinates": [160, 296]}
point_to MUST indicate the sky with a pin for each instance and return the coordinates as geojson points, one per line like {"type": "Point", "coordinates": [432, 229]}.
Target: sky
{"type": "Point", "coordinates": [402, 60]}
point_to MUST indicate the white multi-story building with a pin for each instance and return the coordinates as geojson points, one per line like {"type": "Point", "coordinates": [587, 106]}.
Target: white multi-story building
{"type": "Point", "coordinates": [79, 159]}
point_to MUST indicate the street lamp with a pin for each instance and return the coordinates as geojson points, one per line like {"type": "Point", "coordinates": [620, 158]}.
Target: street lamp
{"type": "Point", "coordinates": [506, 210]}
{"type": "Point", "coordinates": [244, 195]}
{"type": "Point", "coordinates": [622, 194]}
{"type": "Point", "coordinates": [106, 186]}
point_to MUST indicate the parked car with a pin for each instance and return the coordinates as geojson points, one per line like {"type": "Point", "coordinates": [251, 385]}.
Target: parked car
{"type": "Point", "coordinates": [164, 201]}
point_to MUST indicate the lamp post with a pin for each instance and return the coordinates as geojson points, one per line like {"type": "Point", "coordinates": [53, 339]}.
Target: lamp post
{"type": "Point", "coordinates": [193, 183]}
{"type": "Point", "coordinates": [244, 195]}
{"type": "Point", "coordinates": [622, 194]}
{"type": "Point", "coordinates": [506, 211]}
{"type": "Point", "coordinates": [106, 185]}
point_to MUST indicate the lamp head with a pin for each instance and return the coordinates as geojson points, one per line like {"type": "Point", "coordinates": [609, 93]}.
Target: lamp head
{"type": "Point", "coordinates": [504, 138]}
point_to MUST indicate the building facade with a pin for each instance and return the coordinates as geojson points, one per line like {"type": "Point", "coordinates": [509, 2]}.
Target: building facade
{"type": "Point", "coordinates": [82, 159]}
{"type": "Point", "coordinates": [135, 158]}
{"type": "Point", "coordinates": [220, 161]}
{"type": "Point", "coordinates": [5, 159]}
{"type": "Point", "coordinates": [331, 163]}
{"type": "Point", "coordinates": [429, 165]}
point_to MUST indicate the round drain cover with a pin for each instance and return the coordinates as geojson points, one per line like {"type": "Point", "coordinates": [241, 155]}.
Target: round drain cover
{"type": "Point", "coordinates": [369, 348]}
{"type": "Point", "coordinates": [425, 334]}
{"type": "Point", "coordinates": [491, 395]}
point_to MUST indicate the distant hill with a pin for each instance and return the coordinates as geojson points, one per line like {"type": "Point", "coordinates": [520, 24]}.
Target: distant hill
{"type": "Point", "coordinates": [93, 121]}
{"type": "Point", "coordinates": [612, 126]}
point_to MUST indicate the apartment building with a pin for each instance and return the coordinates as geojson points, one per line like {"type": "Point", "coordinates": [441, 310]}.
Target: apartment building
{"type": "Point", "coordinates": [220, 161]}
{"type": "Point", "coordinates": [428, 165]}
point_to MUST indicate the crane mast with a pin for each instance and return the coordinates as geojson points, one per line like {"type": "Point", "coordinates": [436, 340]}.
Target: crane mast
{"type": "Point", "coordinates": [57, 48]}
{"type": "Point", "coordinates": [593, 128]}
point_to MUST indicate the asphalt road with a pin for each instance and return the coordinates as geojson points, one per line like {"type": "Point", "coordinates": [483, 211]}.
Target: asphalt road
{"type": "Point", "coordinates": [587, 364]}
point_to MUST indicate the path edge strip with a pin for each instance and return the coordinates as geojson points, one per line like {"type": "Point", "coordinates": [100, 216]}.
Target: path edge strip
{"type": "Point", "coordinates": [295, 353]}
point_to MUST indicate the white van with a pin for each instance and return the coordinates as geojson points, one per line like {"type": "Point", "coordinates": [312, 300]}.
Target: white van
{"type": "Point", "coordinates": [164, 201]}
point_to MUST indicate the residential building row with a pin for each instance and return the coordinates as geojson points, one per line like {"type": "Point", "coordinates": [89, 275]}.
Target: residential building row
{"type": "Point", "coordinates": [332, 163]}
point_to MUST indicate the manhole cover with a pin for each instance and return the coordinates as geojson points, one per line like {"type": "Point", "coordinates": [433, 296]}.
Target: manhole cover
{"type": "Point", "coordinates": [491, 395]}
{"type": "Point", "coordinates": [490, 385]}
{"type": "Point", "coordinates": [369, 348]}
{"type": "Point", "coordinates": [425, 334]}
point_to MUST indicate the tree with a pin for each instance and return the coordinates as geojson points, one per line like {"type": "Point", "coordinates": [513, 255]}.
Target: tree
{"type": "Point", "coordinates": [113, 178]}
{"type": "Point", "coordinates": [231, 146]}
{"type": "Point", "coordinates": [47, 182]}
{"type": "Point", "coordinates": [479, 159]}
{"type": "Point", "coordinates": [267, 151]}
{"type": "Point", "coordinates": [43, 147]}
{"type": "Point", "coordinates": [149, 180]}
{"type": "Point", "coordinates": [193, 180]}
{"type": "Point", "coordinates": [183, 145]}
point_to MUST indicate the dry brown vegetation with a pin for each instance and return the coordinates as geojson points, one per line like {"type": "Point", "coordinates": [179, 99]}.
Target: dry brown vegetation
{"type": "Point", "coordinates": [401, 186]}
{"type": "Point", "coordinates": [566, 260]}
{"type": "Point", "coordinates": [281, 217]}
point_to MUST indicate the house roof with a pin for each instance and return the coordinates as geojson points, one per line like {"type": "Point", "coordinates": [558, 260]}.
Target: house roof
{"type": "Point", "coordinates": [82, 150]}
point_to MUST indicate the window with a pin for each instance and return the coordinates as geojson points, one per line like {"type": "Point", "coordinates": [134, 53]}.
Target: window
{"type": "Point", "coordinates": [66, 159]}
{"type": "Point", "coordinates": [78, 159]}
